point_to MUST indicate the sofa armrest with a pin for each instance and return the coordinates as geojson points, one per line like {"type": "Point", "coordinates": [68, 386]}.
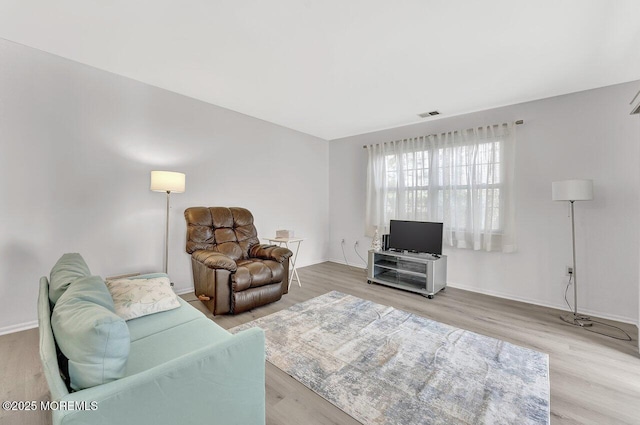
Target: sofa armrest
{"type": "Point", "coordinates": [215, 260]}
{"type": "Point", "coordinates": [222, 383]}
{"type": "Point", "coordinates": [270, 252]}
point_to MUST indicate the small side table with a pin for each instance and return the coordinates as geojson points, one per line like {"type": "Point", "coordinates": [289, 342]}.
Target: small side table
{"type": "Point", "coordinates": [286, 242]}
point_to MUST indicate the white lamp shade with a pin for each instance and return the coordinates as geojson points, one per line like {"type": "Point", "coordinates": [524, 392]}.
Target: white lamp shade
{"type": "Point", "coordinates": [572, 190]}
{"type": "Point", "coordinates": [167, 181]}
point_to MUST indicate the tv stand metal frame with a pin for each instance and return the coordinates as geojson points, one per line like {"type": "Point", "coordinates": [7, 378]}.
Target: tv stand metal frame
{"type": "Point", "coordinates": [424, 274]}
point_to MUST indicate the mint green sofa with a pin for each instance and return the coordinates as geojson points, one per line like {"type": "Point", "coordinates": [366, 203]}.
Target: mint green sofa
{"type": "Point", "coordinates": [182, 368]}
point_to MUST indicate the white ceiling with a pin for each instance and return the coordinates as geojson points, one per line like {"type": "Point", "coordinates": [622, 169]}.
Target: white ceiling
{"type": "Point", "coordinates": [334, 68]}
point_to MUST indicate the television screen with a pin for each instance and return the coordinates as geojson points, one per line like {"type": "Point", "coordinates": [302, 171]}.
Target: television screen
{"type": "Point", "coordinates": [418, 236]}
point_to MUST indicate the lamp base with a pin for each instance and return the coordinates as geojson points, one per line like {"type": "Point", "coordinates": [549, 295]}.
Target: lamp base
{"type": "Point", "coordinates": [577, 320]}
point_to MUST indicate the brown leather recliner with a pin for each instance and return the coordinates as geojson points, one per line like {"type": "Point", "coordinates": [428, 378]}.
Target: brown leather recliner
{"type": "Point", "coordinates": [230, 266]}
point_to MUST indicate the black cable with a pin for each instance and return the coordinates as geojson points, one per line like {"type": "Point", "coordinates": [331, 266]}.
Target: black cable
{"type": "Point", "coordinates": [345, 257]}
{"type": "Point", "coordinates": [585, 318]}
{"type": "Point", "coordinates": [566, 290]}
{"type": "Point", "coordinates": [628, 337]}
{"type": "Point", "coordinates": [358, 254]}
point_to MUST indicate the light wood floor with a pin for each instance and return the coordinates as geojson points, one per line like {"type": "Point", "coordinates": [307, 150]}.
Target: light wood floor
{"type": "Point", "coordinates": [594, 379]}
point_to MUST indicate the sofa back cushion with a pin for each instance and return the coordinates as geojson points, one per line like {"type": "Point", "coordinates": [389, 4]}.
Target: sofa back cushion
{"type": "Point", "coordinates": [48, 351]}
{"type": "Point", "coordinates": [89, 333]}
{"type": "Point", "coordinates": [68, 268]}
{"type": "Point", "coordinates": [229, 231]}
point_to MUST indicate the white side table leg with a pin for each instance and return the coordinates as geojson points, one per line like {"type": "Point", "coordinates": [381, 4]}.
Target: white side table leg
{"type": "Point", "coordinates": [294, 271]}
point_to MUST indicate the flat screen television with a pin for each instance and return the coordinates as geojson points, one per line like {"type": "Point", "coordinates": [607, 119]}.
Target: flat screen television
{"type": "Point", "coordinates": [417, 236]}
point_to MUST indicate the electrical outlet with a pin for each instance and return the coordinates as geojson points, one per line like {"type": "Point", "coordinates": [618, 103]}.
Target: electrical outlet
{"type": "Point", "coordinates": [569, 270]}
{"type": "Point", "coordinates": [342, 241]}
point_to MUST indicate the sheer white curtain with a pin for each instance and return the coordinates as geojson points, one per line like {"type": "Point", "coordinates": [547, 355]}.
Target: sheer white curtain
{"type": "Point", "coordinates": [461, 178]}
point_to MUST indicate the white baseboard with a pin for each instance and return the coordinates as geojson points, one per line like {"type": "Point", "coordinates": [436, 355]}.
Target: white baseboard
{"type": "Point", "coordinates": [19, 327]}
{"type": "Point", "coordinates": [187, 290]}
{"type": "Point", "coordinates": [356, 265]}
{"type": "Point", "coordinates": [34, 323]}
{"type": "Point", "coordinates": [498, 294]}
{"type": "Point", "coordinates": [182, 291]}
{"type": "Point", "coordinates": [562, 307]}
{"type": "Point", "coordinates": [311, 263]}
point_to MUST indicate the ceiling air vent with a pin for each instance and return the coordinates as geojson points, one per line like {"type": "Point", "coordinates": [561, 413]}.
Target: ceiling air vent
{"type": "Point", "coordinates": [428, 114]}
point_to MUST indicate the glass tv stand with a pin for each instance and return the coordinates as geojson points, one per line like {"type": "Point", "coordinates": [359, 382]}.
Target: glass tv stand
{"type": "Point", "coordinates": [424, 274]}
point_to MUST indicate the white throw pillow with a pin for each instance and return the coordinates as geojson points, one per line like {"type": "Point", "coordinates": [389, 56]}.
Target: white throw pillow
{"type": "Point", "coordinates": [134, 298]}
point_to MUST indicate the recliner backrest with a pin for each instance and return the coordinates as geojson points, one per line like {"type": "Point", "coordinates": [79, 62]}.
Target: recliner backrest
{"type": "Point", "coordinates": [229, 231]}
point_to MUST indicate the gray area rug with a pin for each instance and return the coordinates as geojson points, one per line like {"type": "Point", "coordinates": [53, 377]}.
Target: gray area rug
{"type": "Point", "coordinates": [386, 366]}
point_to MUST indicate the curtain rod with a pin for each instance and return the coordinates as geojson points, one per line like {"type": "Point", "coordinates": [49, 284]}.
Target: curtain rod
{"type": "Point", "coordinates": [517, 123]}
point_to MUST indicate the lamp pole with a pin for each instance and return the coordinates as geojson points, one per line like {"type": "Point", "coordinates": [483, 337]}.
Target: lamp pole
{"type": "Point", "coordinates": [575, 275]}
{"type": "Point", "coordinates": [577, 320]}
{"type": "Point", "coordinates": [166, 239]}
{"type": "Point", "coordinates": [573, 190]}
{"type": "Point", "coordinates": [167, 181]}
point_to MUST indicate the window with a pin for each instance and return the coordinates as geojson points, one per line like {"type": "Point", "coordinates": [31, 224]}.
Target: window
{"type": "Point", "coordinates": [462, 178]}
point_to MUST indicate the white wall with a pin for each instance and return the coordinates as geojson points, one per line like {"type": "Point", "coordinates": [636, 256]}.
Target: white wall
{"type": "Point", "coordinates": [76, 148]}
{"type": "Point", "coordinates": [77, 145]}
{"type": "Point", "coordinates": [582, 135]}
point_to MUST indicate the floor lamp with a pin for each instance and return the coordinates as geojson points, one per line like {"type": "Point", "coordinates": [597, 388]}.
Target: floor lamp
{"type": "Point", "coordinates": [573, 190]}
{"type": "Point", "coordinates": [167, 181]}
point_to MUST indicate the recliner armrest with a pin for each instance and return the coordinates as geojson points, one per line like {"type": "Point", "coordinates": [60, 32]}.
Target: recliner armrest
{"type": "Point", "coordinates": [215, 260]}
{"type": "Point", "coordinates": [270, 252]}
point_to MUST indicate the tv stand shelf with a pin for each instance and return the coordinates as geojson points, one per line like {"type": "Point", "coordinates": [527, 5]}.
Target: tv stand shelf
{"type": "Point", "coordinates": [425, 274]}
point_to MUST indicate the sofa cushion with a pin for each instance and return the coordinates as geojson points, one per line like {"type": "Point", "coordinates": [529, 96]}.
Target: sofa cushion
{"type": "Point", "coordinates": [68, 268]}
{"type": "Point", "coordinates": [90, 334]}
{"type": "Point", "coordinates": [149, 325]}
{"type": "Point", "coordinates": [173, 342]}
{"type": "Point", "coordinates": [133, 298]}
